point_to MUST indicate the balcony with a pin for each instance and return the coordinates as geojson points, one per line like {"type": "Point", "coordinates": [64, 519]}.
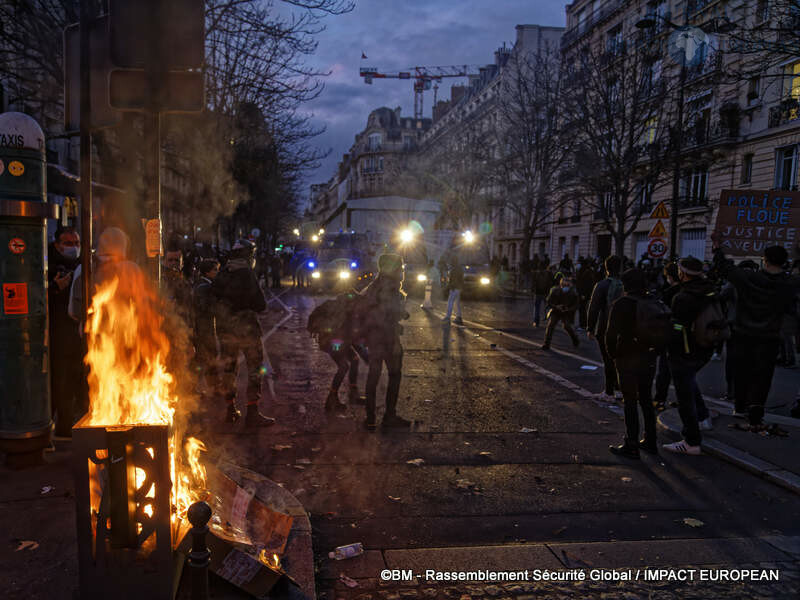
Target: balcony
{"type": "Point", "coordinates": [593, 19]}
{"type": "Point", "coordinates": [689, 203]}
{"type": "Point", "coordinates": [705, 133]}
{"type": "Point", "coordinates": [785, 112]}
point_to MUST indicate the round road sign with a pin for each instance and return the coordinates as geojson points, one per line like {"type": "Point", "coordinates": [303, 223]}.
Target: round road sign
{"type": "Point", "coordinates": [657, 248]}
{"type": "Point", "coordinates": [16, 245]}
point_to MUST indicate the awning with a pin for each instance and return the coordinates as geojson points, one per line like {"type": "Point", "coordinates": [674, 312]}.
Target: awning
{"type": "Point", "coordinates": [63, 183]}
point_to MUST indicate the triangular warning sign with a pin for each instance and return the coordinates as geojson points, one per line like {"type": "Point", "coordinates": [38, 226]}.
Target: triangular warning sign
{"type": "Point", "coordinates": [660, 211]}
{"type": "Point", "coordinates": [658, 231]}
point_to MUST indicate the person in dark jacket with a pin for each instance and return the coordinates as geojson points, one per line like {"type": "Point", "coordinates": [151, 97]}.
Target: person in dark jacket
{"type": "Point", "coordinates": [66, 355]}
{"type": "Point", "coordinates": [205, 323]}
{"type": "Point", "coordinates": [543, 281]}
{"type": "Point", "coordinates": [563, 302]}
{"type": "Point", "coordinates": [663, 378]}
{"type": "Point", "coordinates": [383, 307]}
{"type": "Point", "coordinates": [686, 357]}
{"type": "Point", "coordinates": [276, 270]}
{"type": "Point", "coordinates": [605, 292]}
{"type": "Point", "coordinates": [455, 283]}
{"type": "Point", "coordinates": [240, 299]}
{"type": "Point", "coordinates": [584, 283]}
{"type": "Point", "coordinates": [342, 349]}
{"type": "Point", "coordinates": [762, 298]}
{"type": "Point", "coordinates": [636, 365]}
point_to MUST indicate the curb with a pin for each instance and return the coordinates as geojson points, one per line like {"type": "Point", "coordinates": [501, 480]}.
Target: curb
{"type": "Point", "coordinates": [299, 550]}
{"type": "Point", "coordinates": [744, 460]}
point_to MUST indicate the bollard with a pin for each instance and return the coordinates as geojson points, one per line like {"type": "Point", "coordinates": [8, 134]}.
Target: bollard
{"type": "Point", "coordinates": [427, 304]}
{"type": "Point", "coordinates": [199, 558]}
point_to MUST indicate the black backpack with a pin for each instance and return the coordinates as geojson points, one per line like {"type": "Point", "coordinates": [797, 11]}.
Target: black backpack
{"type": "Point", "coordinates": [332, 316]}
{"type": "Point", "coordinates": [711, 326]}
{"type": "Point", "coordinates": [653, 323]}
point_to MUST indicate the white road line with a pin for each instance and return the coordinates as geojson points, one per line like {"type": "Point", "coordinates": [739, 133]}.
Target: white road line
{"type": "Point", "coordinates": [555, 377]}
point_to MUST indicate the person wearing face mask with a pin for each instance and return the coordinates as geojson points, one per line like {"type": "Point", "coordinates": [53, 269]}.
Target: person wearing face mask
{"type": "Point", "coordinates": [240, 299]}
{"type": "Point", "coordinates": [563, 302]}
{"type": "Point", "coordinates": [65, 342]}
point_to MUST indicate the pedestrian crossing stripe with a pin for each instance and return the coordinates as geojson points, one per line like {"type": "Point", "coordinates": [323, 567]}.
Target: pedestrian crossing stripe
{"type": "Point", "coordinates": [658, 231]}
{"type": "Point", "coordinates": [660, 212]}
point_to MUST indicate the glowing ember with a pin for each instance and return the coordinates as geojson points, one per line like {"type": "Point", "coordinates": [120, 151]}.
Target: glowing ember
{"type": "Point", "coordinates": [129, 382]}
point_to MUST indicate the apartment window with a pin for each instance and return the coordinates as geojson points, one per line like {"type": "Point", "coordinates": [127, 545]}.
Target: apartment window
{"type": "Point", "coordinates": [644, 194]}
{"type": "Point", "coordinates": [747, 168]}
{"type": "Point", "coordinates": [408, 142]}
{"type": "Point", "coordinates": [380, 163]}
{"type": "Point", "coordinates": [653, 75]}
{"type": "Point", "coordinates": [607, 202]}
{"type": "Point", "coordinates": [753, 90]}
{"type": "Point", "coordinates": [762, 11]}
{"type": "Point", "coordinates": [786, 168]}
{"type": "Point", "coordinates": [651, 127]}
{"type": "Point", "coordinates": [641, 241]}
{"type": "Point", "coordinates": [375, 141]}
{"type": "Point", "coordinates": [614, 42]}
{"type": "Point", "coordinates": [792, 84]}
{"type": "Point", "coordinates": [695, 187]}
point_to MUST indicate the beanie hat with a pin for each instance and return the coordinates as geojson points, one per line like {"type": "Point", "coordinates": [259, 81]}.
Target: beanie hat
{"type": "Point", "coordinates": [390, 263]}
{"type": "Point", "coordinates": [691, 266]}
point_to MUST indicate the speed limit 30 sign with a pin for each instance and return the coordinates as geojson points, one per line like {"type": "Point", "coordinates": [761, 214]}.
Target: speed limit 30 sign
{"type": "Point", "coordinates": [657, 248]}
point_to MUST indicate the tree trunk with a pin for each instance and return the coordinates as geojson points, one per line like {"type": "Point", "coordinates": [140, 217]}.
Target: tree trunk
{"type": "Point", "coordinates": [619, 240]}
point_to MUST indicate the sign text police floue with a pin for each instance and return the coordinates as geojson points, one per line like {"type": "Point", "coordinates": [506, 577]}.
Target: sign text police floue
{"type": "Point", "coordinates": [750, 220]}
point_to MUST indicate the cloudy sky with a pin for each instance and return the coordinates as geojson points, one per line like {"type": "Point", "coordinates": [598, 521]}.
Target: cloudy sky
{"type": "Point", "coordinates": [396, 35]}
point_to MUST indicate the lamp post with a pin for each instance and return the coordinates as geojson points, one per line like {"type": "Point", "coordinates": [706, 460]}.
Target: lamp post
{"type": "Point", "coordinates": [649, 22]}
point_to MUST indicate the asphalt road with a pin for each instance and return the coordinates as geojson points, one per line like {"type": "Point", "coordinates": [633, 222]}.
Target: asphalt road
{"type": "Point", "coordinates": [510, 449]}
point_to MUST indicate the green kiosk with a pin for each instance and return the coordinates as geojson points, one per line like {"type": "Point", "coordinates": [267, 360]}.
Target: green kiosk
{"type": "Point", "coordinates": [25, 419]}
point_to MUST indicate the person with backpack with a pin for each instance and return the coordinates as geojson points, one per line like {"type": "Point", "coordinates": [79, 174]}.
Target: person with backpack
{"type": "Point", "coordinates": [331, 323]}
{"type": "Point", "coordinates": [543, 281]}
{"type": "Point", "coordinates": [563, 302]}
{"type": "Point", "coordinates": [604, 294]}
{"type": "Point", "coordinates": [239, 300]}
{"type": "Point", "coordinates": [762, 298]}
{"type": "Point", "coordinates": [377, 323]}
{"type": "Point", "coordinates": [663, 378]}
{"type": "Point", "coordinates": [699, 323]}
{"type": "Point", "coordinates": [639, 326]}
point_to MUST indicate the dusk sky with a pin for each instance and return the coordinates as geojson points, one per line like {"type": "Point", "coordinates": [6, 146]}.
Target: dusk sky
{"type": "Point", "coordinates": [396, 35]}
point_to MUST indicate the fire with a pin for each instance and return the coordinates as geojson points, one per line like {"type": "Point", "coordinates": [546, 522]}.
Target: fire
{"type": "Point", "coordinates": [129, 379]}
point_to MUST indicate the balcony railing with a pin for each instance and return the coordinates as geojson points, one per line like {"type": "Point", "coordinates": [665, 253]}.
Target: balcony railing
{"type": "Point", "coordinates": [704, 133]}
{"type": "Point", "coordinates": [591, 20]}
{"type": "Point", "coordinates": [786, 112]}
{"type": "Point", "coordinates": [712, 64]}
{"type": "Point", "coordinates": [692, 202]}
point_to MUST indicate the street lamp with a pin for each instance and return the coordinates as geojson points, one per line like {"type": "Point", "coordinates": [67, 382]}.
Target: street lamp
{"type": "Point", "coordinates": [469, 237]}
{"type": "Point", "coordinates": [406, 236]}
{"type": "Point", "coordinates": [296, 232]}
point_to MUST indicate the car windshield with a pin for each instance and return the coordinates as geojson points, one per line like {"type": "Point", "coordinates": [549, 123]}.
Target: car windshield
{"type": "Point", "coordinates": [329, 254]}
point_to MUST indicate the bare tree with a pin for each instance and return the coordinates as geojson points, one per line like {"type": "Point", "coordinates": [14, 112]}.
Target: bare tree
{"type": "Point", "coordinates": [530, 142]}
{"type": "Point", "coordinates": [618, 113]}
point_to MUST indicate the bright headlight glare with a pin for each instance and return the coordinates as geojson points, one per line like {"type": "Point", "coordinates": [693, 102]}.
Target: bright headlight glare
{"type": "Point", "coordinates": [485, 281]}
{"type": "Point", "coordinates": [421, 277]}
{"type": "Point", "coordinates": [344, 274]}
{"type": "Point", "coordinates": [406, 236]}
{"type": "Point", "coordinates": [316, 275]}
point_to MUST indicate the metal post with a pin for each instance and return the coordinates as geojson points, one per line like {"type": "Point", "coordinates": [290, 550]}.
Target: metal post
{"type": "Point", "coordinates": [152, 134]}
{"type": "Point", "coordinates": [199, 558]}
{"type": "Point", "coordinates": [86, 16]}
{"type": "Point", "coordinates": [676, 174]}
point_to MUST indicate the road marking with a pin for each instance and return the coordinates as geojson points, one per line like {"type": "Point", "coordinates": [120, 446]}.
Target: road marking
{"type": "Point", "coordinates": [555, 377]}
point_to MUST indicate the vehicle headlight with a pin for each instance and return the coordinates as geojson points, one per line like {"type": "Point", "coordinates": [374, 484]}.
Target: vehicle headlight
{"type": "Point", "coordinates": [485, 281]}
{"type": "Point", "coordinates": [315, 275]}
{"type": "Point", "coordinates": [422, 277]}
{"type": "Point", "coordinates": [344, 274]}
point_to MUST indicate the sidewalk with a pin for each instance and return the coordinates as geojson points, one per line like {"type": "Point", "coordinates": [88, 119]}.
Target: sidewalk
{"type": "Point", "coordinates": [39, 556]}
{"type": "Point", "coordinates": [773, 458]}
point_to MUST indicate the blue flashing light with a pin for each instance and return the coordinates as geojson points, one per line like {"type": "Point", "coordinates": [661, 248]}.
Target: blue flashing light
{"type": "Point", "coordinates": [354, 265]}
{"type": "Point", "coordinates": [311, 264]}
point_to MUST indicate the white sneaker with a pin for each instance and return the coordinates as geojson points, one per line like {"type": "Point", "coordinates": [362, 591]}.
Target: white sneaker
{"type": "Point", "coordinates": [618, 395]}
{"type": "Point", "coordinates": [706, 424]}
{"type": "Point", "coordinates": [682, 448]}
{"type": "Point", "coordinates": [716, 356]}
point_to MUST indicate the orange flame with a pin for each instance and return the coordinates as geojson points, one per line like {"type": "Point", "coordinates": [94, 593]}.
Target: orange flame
{"type": "Point", "coordinates": [129, 381]}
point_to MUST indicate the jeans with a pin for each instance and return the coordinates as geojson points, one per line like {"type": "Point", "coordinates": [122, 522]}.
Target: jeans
{"type": "Point", "coordinates": [663, 378]}
{"type": "Point", "coordinates": [691, 406]}
{"type": "Point", "coordinates": [609, 368]}
{"type": "Point", "coordinates": [636, 381]}
{"type": "Point", "coordinates": [248, 341]}
{"type": "Point", "coordinates": [538, 300]}
{"type": "Point", "coordinates": [390, 353]}
{"type": "Point", "coordinates": [754, 364]}
{"type": "Point", "coordinates": [455, 296]}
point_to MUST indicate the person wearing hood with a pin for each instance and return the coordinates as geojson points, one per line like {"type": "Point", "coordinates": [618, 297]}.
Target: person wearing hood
{"type": "Point", "coordinates": [383, 307]}
{"type": "Point", "coordinates": [686, 356]}
{"type": "Point", "coordinates": [65, 341]}
{"type": "Point", "coordinates": [762, 298]}
{"type": "Point", "coordinates": [240, 299]}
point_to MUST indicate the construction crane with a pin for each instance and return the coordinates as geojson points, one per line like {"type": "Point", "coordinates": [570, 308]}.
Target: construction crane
{"type": "Point", "coordinates": [424, 78]}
